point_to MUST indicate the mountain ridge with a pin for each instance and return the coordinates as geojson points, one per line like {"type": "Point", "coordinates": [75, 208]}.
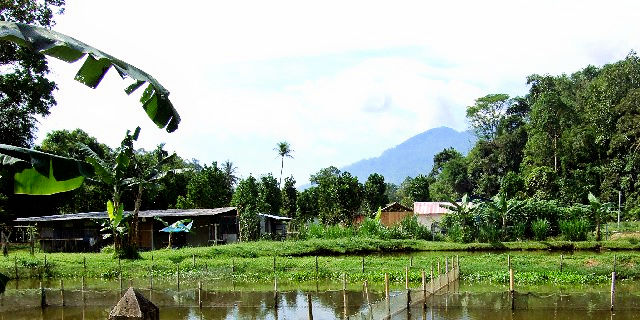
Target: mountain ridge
{"type": "Point", "coordinates": [413, 156]}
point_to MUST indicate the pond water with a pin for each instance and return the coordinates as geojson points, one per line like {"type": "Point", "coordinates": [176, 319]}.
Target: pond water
{"type": "Point", "coordinates": [256, 301]}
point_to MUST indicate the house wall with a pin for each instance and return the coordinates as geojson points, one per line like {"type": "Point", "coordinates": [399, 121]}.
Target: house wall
{"type": "Point", "coordinates": [429, 219]}
{"type": "Point", "coordinates": [391, 218]}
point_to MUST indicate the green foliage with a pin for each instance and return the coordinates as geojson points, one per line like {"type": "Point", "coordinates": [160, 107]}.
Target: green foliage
{"type": "Point", "coordinates": [289, 198]}
{"type": "Point", "coordinates": [246, 200]}
{"type": "Point", "coordinates": [374, 192]}
{"type": "Point", "coordinates": [540, 229]}
{"type": "Point", "coordinates": [207, 188]}
{"type": "Point", "coordinates": [541, 183]}
{"type": "Point", "coordinates": [270, 197]}
{"type": "Point", "coordinates": [155, 100]}
{"type": "Point", "coordinates": [575, 229]}
{"type": "Point", "coordinates": [512, 186]}
{"type": "Point", "coordinates": [25, 91]}
{"type": "Point", "coordinates": [339, 195]}
{"type": "Point", "coordinates": [486, 114]}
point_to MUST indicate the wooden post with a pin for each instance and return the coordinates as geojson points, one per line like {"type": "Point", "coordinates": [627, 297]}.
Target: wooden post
{"type": "Point", "coordinates": [406, 278]}
{"type": "Point", "coordinates": [199, 294]}
{"type": "Point", "coordinates": [508, 262]}
{"type": "Point", "coordinates": [151, 277]}
{"type": "Point", "coordinates": [316, 267]}
{"type": "Point", "coordinates": [31, 239]}
{"type": "Point", "coordinates": [458, 265]}
{"type": "Point", "coordinates": [432, 282]}
{"type": "Point", "coordinates": [83, 284]}
{"type": "Point", "coordinates": [366, 293]}
{"type": "Point", "coordinates": [16, 266]}
{"type": "Point", "coordinates": [309, 306]}
{"type": "Point", "coordinates": [215, 234]}
{"type": "Point", "coordinates": [344, 282]}
{"type": "Point", "coordinates": [362, 264]}
{"type": "Point", "coordinates": [411, 262]}
{"type": "Point", "coordinates": [424, 283]}
{"type": "Point", "coordinates": [439, 277]}
{"type": "Point", "coordinates": [561, 261]}
{"type": "Point", "coordinates": [511, 289]}
{"type": "Point", "coordinates": [120, 280]}
{"type": "Point", "coordinates": [613, 288]}
{"type": "Point", "coordinates": [84, 264]}
{"type": "Point", "coordinates": [386, 286]}
{"type": "Point", "coordinates": [62, 292]}
{"type": "Point", "coordinates": [43, 296]}
{"type": "Point", "coordinates": [274, 263]}
{"type": "Point", "coordinates": [178, 276]}
{"type": "Point", "coordinates": [614, 263]}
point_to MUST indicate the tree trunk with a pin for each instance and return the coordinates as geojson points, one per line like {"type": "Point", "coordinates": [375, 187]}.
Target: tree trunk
{"type": "Point", "coordinates": [281, 167]}
{"type": "Point", "coordinates": [598, 236]}
{"type": "Point", "coordinates": [133, 233]}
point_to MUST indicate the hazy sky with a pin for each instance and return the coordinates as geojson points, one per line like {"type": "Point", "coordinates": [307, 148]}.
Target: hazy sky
{"type": "Point", "coordinates": [339, 80]}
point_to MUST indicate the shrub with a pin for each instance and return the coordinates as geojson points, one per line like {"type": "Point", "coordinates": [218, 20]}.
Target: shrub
{"type": "Point", "coordinates": [540, 229]}
{"type": "Point", "coordinates": [371, 228]}
{"type": "Point", "coordinates": [575, 229]}
{"type": "Point", "coordinates": [518, 230]}
{"type": "Point", "coordinates": [413, 229]}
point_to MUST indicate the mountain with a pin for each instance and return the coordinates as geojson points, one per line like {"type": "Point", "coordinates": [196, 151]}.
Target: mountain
{"type": "Point", "coordinates": [412, 157]}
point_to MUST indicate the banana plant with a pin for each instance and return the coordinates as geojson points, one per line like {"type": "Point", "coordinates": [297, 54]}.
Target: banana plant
{"type": "Point", "coordinates": [599, 211]}
{"type": "Point", "coordinates": [40, 173]}
{"type": "Point", "coordinates": [155, 98]}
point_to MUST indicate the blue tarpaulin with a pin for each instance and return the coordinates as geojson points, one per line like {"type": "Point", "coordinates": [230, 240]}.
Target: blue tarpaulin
{"type": "Point", "coordinates": [177, 226]}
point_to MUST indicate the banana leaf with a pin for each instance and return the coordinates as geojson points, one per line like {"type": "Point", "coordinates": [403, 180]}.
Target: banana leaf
{"type": "Point", "coordinates": [155, 98]}
{"type": "Point", "coordinates": [39, 173]}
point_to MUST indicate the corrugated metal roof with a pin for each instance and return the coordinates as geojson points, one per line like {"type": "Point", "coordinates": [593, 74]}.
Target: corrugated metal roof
{"type": "Point", "coordinates": [141, 214]}
{"type": "Point", "coordinates": [430, 207]}
{"type": "Point", "coordinates": [274, 216]}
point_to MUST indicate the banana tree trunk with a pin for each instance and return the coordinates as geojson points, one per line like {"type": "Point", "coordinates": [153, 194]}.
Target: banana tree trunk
{"type": "Point", "coordinates": [133, 235]}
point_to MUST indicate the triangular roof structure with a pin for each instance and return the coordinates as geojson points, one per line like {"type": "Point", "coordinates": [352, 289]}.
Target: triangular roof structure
{"type": "Point", "coordinates": [133, 305]}
{"type": "Point", "coordinates": [395, 207]}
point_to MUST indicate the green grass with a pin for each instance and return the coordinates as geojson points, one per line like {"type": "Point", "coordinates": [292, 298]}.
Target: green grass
{"type": "Point", "coordinates": [583, 262]}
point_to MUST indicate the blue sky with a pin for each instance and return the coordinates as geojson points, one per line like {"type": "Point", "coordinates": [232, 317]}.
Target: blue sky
{"type": "Point", "coordinates": [339, 80]}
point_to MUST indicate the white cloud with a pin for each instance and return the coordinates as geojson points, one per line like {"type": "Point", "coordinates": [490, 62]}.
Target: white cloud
{"type": "Point", "coordinates": [339, 80]}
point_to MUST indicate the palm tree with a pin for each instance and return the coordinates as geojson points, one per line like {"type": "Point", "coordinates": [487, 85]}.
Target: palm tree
{"type": "Point", "coordinates": [284, 150]}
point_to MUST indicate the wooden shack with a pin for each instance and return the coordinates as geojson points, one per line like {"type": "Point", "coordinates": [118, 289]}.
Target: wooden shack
{"type": "Point", "coordinates": [81, 231]}
{"type": "Point", "coordinates": [273, 225]}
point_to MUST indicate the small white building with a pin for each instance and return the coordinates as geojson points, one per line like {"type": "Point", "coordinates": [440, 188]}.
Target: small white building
{"type": "Point", "coordinates": [430, 212]}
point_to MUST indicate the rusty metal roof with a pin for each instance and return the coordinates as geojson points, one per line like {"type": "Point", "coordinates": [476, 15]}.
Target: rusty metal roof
{"type": "Point", "coordinates": [141, 214]}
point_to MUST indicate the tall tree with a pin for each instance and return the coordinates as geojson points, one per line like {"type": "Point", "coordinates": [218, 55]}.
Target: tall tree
{"type": "Point", "coordinates": [246, 199]}
{"type": "Point", "coordinates": [269, 194]}
{"type": "Point", "coordinates": [487, 113]}
{"type": "Point", "coordinates": [284, 150]}
{"type": "Point", "coordinates": [25, 91]}
{"type": "Point", "coordinates": [289, 198]}
{"type": "Point", "coordinates": [375, 195]}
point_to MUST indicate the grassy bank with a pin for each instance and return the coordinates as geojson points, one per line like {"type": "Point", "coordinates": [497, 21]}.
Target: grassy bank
{"type": "Point", "coordinates": [582, 262]}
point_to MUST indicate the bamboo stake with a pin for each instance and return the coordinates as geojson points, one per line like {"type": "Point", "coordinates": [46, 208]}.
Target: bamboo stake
{"type": "Point", "coordinates": [386, 286]}
{"type": "Point", "coordinates": [199, 294]}
{"type": "Point", "coordinates": [613, 288]}
{"type": "Point", "coordinates": [178, 276]}
{"type": "Point", "coordinates": [43, 296]}
{"type": "Point", "coordinates": [62, 292]}
{"type": "Point", "coordinates": [424, 283]}
{"type": "Point", "coordinates": [432, 282]}
{"type": "Point", "coordinates": [406, 278]}
{"type": "Point", "coordinates": [511, 289]}
{"type": "Point", "coordinates": [362, 264]}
